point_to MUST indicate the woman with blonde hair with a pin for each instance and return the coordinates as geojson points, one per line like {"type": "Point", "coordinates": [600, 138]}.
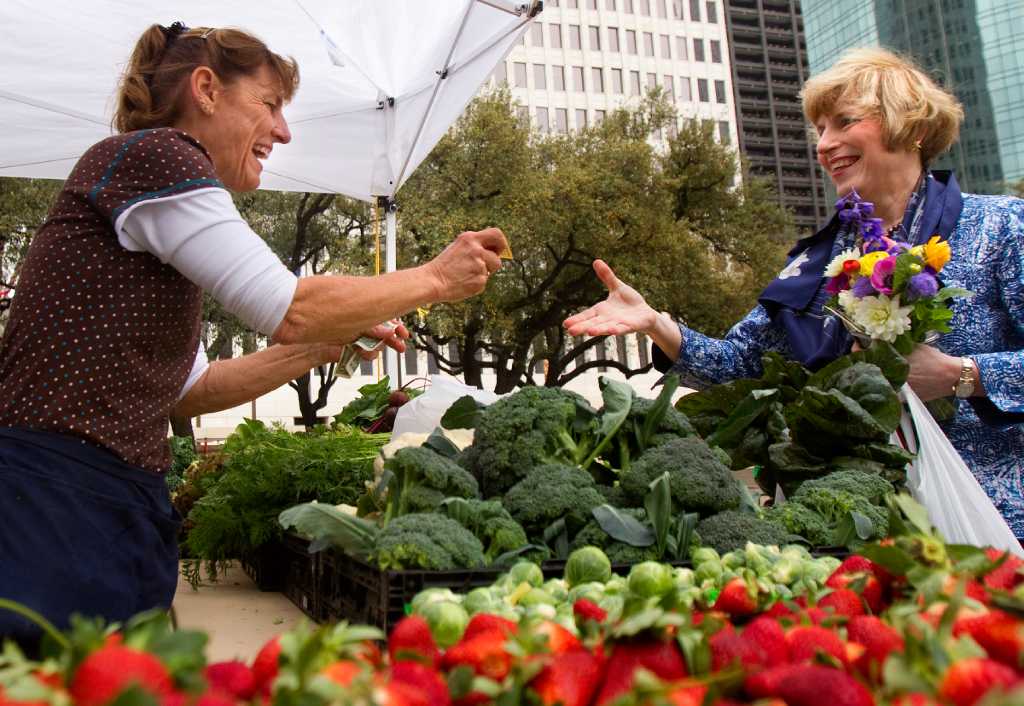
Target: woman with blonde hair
{"type": "Point", "coordinates": [880, 122]}
{"type": "Point", "coordinates": [103, 344]}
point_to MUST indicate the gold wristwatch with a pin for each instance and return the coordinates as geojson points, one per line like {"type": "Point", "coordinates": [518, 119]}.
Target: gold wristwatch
{"type": "Point", "coordinates": [964, 387]}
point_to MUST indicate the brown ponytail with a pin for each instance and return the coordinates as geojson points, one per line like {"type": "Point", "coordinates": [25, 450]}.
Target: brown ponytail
{"type": "Point", "coordinates": [153, 86]}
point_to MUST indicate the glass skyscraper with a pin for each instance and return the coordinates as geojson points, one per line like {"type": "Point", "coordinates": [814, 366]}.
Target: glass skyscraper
{"type": "Point", "coordinates": [974, 47]}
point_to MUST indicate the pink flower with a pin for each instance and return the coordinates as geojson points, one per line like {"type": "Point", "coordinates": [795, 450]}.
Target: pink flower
{"type": "Point", "coordinates": [881, 276]}
{"type": "Point", "coordinates": [837, 284]}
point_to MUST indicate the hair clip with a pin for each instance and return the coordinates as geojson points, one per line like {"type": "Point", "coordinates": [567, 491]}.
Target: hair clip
{"type": "Point", "coordinates": [207, 33]}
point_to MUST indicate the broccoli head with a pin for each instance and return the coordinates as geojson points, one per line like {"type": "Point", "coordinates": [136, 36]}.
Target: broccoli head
{"type": "Point", "coordinates": [422, 480]}
{"type": "Point", "coordinates": [836, 505]}
{"type": "Point", "coordinates": [551, 492]}
{"type": "Point", "coordinates": [613, 495]}
{"type": "Point", "coordinates": [618, 552]}
{"type": "Point", "coordinates": [802, 520]}
{"type": "Point", "coordinates": [426, 541]}
{"type": "Point", "coordinates": [673, 424]}
{"type": "Point", "coordinates": [732, 529]}
{"type": "Point", "coordinates": [490, 522]}
{"type": "Point", "coordinates": [700, 482]}
{"type": "Point", "coordinates": [530, 427]}
{"type": "Point", "coordinates": [871, 486]}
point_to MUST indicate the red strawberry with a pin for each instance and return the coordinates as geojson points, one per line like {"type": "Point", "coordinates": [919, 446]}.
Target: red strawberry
{"type": "Point", "coordinates": [914, 699]}
{"type": "Point", "coordinates": [968, 680]}
{"type": "Point", "coordinates": [411, 639]}
{"type": "Point", "coordinates": [737, 599]}
{"type": "Point", "coordinates": [233, 678]}
{"type": "Point", "coordinates": [688, 696]}
{"type": "Point", "coordinates": [808, 685]}
{"type": "Point", "coordinates": [662, 658]}
{"type": "Point", "coordinates": [879, 641]}
{"type": "Point", "coordinates": [999, 633]}
{"type": "Point", "coordinates": [559, 639]}
{"type": "Point", "coordinates": [569, 679]}
{"type": "Point", "coordinates": [485, 652]}
{"type": "Point", "coordinates": [398, 693]}
{"type": "Point", "coordinates": [805, 642]}
{"type": "Point", "coordinates": [864, 583]}
{"type": "Point", "coordinates": [855, 563]}
{"type": "Point", "coordinates": [973, 589]}
{"type": "Point", "coordinates": [768, 639]}
{"type": "Point", "coordinates": [175, 698]}
{"type": "Point", "coordinates": [1007, 575]}
{"type": "Point", "coordinates": [426, 680]}
{"type": "Point", "coordinates": [843, 601]}
{"type": "Point", "coordinates": [215, 697]}
{"type": "Point", "coordinates": [111, 669]}
{"type": "Point", "coordinates": [728, 649]}
{"type": "Point", "coordinates": [482, 622]}
{"type": "Point", "coordinates": [779, 609]}
{"type": "Point", "coordinates": [265, 666]}
{"type": "Point", "coordinates": [588, 610]}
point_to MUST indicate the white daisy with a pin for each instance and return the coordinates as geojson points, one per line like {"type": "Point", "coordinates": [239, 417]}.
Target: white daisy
{"type": "Point", "coordinates": [835, 268]}
{"type": "Point", "coordinates": [881, 317]}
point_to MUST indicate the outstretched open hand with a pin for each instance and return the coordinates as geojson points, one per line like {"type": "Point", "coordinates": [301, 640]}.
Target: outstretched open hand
{"type": "Point", "coordinates": [624, 311]}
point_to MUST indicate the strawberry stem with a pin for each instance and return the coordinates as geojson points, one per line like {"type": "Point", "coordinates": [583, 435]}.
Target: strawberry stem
{"type": "Point", "coordinates": [34, 617]}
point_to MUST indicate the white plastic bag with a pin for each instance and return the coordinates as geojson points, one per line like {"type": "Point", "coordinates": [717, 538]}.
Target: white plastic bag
{"type": "Point", "coordinates": [940, 480]}
{"type": "Point", "coordinates": [423, 414]}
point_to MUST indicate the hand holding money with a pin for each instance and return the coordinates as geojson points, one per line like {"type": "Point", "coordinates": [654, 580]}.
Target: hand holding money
{"type": "Point", "coordinates": [390, 333]}
{"type": "Point", "coordinates": [463, 268]}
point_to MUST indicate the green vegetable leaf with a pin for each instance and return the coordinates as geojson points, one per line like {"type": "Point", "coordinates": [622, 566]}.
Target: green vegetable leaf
{"type": "Point", "coordinates": [463, 414]}
{"type": "Point", "coordinates": [658, 504]}
{"type": "Point", "coordinates": [656, 413]}
{"type": "Point", "coordinates": [618, 400]}
{"type": "Point", "coordinates": [863, 526]}
{"type": "Point", "coordinates": [321, 521]}
{"type": "Point", "coordinates": [729, 432]}
{"type": "Point", "coordinates": [440, 443]}
{"type": "Point", "coordinates": [622, 527]}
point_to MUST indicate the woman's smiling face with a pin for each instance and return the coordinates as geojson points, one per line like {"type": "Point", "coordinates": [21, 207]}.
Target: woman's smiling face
{"type": "Point", "coordinates": [852, 152]}
{"type": "Point", "coordinates": [246, 122]}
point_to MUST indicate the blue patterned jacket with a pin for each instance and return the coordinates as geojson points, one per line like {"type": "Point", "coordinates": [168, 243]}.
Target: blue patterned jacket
{"type": "Point", "coordinates": [987, 258]}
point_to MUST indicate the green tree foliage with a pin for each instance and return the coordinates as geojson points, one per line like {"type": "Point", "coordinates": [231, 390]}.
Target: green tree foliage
{"type": "Point", "coordinates": [24, 204]}
{"type": "Point", "coordinates": [673, 222]}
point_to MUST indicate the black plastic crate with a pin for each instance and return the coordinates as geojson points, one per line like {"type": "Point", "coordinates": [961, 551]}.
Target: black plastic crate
{"type": "Point", "coordinates": [301, 575]}
{"type": "Point", "coordinates": [267, 566]}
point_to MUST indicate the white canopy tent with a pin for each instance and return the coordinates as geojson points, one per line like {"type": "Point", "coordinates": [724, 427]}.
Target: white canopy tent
{"type": "Point", "coordinates": [382, 80]}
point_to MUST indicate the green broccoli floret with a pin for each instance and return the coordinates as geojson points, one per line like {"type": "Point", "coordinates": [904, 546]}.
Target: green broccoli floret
{"type": "Point", "coordinates": [422, 480]}
{"type": "Point", "coordinates": [799, 519]}
{"type": "Point", "coordinates": [551, 492]}
{"type": "Point", "coordinates": [871, 486]}
{"type": "Point", "coordinates": [490, 522]}
{"type": "Point", "coordinates": [618, 552]}
{"type": "Point", "coordinates": [732, 529]}
{"type": "Point", "coordinates": [836, 505]}
{"type": "Point", "coordinates": [530, 427]}
{"type": "Point", "coordinates": [613, 495]}
{"type": "Point", "coordinates": [699, 481]}
{"type": "Point", "coordinates": [426, 541]}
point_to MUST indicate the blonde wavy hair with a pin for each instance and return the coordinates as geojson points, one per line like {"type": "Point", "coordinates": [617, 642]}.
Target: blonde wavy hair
{"type": "Point", "coordinates": [876, 83]}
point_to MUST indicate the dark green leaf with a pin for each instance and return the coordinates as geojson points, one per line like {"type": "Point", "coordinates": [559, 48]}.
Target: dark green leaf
{"type": "Point", "coordinates": [440, 443]}
{"type": "Point", "coordinates": [622, 527]}
{"type": "Point", "coordinates": [618, 400]}
{"type": "Point", "coordinates": [556, 536]}
{"type": "Point", "coordinates": [658, 504]}
{"type": "Point", "coordinates": [321, 521]}
{"type": "Point", "coordinates": [893, 559]}
{"type": "Point", "coordinates": [460, 681]}
{"type": "Point", "coordinates": [789, 457]}
{"type": "Point", "coordinates": [729, 432]}
{"type": "Point", "coordinates": [463, 414]}
{"type": "Point", "coordinates": [656, 413]}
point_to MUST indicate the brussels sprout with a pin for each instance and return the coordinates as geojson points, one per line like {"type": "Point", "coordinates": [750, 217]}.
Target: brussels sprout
{"type": "Point", "coordinates": [592, 591]}
{"type": "Point", "coordinates": [480, 600]}
{"type": "Point", "coordinates": [733, 560]}
{"type": "Point", "coordinates": [616, 585]}
{"type": "Point", "coordinates": [707, 570]}
{"type": "Point", "coordinates": [433, 595]}
{"type": "Point", "coordinates": [650, 579]}
{"type": "Point", "coordinates": [447, 622]}
{"type": "Point", "coordinates": [587, 564]}
{"type": "Point", "coordinates": [686, 597]}
{"type": "Point", "coordinates": [829, 563]}
{"type": "Point", "coordinates": [796, 551]}
{"type": "Point", "coordinates": [558, 589]}
{"type": "Point", "coordinates": [683, 577]}
{"type": "Point", "coordinates": [613, 606]}
{"type": "Point", "coordinates": [536, 596]}
{"type": "Point", "coordinates": [526, 571]}
{"type": "Point", "coordinates": [545, 611]}
{"type": "Point", "coordinates": [787, 570]}
{"type": "Point", "coordinates": [699, 556]}
{"type": "Point", "coordinates": [817, 571]}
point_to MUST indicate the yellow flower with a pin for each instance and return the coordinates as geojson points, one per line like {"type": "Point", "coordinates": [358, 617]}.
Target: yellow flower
{"type": "Point", "coordinates": [936, 253]}
{"type": "Point", "coordinates": [868, 262]}
{"type": "Point", "coordinates": [917, 250]}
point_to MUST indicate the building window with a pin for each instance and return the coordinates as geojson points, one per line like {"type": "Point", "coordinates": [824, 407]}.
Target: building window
{"type": "Point", "coordinates": [681, 52]}
{"type": "Point", "coordinates": [561, 120]}
{"type": "Point", "coordinates": [558, 78]}
{"type": "Point", "coordinates": [598, 117]}
{"type": "Point", "coordinates": [702, 90]}
{"type": "Point", "coordinates": [645, 8]}
{"type": "Point", "coordinates": [577, 79]}
{"type": "Point", "coordinates": [684, 89]}
{"type": "Point", "coordinates": [677, 9]}
{"type": "Point", "coordinates": [720, 91]}
{"type": "Point", "coordinates": [573, 4]}
{"type": "Point", "coordinates": [613, 39]}
{"type": "Point", "coordinates": [695, 10]}
{"type": "Point", "coordinates": [596, 80]}
{"type": "Point", "coordinates": [652, 81]}
{"type": "Point", "coordinates": [716, 51]}
{"type": "Point", "coordinates": [723, 132]}
{"type": "Point", "coordinates": [555, 32]}
{"type": "Point", "coordinates": [648, 44]}
{"type": "Point", "coordinates": [553, 3]}
{"type": "Point", "coordinates": [669, 85]}
{"type": "Point", "coordinates": [627, 6]}
{"type": "Point", "coordinates": [712, 13]}
{"type": "Point", "coordinates": [540, 80]}
{"type": "Point", "coordinates": [610, 6]}
{"type": "Point", "coordinates": [631, 41]}
{"type": "Point", "coordinates": [501, 73]}
{"type": "Point", "coordinates": [595, 38]}
{"type": "Point", "coordinates": [581, 118]}
{"type": "Point", "coordinates": [537, 34]}
{"type": "Point", "coordinates": [523, 113]}
{"type": "Point", "coordinates": [574, 37]}
{"type": "Point", "coordinates": [542, 119]}
{"type": "Point", "coordinates": [520, 73]}
{"type": "Point", "coordinates": [666, 47]}
{"type": "Point", "coordinates": [698, 49]}
{"type": "Point", "coordinates": [591, 4]}
{"type": "Point", "coordinates": [662, 9]}
{"type": "Point", "coordinates": [634, 83]}
{"type": "Point", "coordinates": [617, 81]}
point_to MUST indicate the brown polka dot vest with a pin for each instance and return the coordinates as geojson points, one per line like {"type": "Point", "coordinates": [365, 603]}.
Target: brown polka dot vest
{"type": "Point", "coordinates": [100, 339]}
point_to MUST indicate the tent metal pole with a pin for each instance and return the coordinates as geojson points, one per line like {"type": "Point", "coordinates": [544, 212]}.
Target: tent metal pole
{"type": "Point", "coordinates": [393, 362]}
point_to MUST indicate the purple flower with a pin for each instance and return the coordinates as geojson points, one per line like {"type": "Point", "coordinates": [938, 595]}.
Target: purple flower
{"type": "Point", "coordinates": [837, 284]}
{"type": "Point", "coordinates": [862, 288]}
{"type": "Point", "coordinates": [871, 229]}
{"type": "Point", "coordinates": [881, 276]}
{"type": "Point", "coordinates": [921, 286]}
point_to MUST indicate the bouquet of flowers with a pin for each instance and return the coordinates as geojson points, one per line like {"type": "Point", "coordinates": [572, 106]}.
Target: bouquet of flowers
{"type": "Point", "coordinates": [884, 289]}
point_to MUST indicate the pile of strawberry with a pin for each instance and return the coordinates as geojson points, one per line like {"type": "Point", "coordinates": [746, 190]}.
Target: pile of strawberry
{"type": "Point", "coordinates": [908, 622]}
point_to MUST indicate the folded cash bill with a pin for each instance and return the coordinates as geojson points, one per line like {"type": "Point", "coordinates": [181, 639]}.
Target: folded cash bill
{"type": "Point", "coordinates": [350, 359]}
